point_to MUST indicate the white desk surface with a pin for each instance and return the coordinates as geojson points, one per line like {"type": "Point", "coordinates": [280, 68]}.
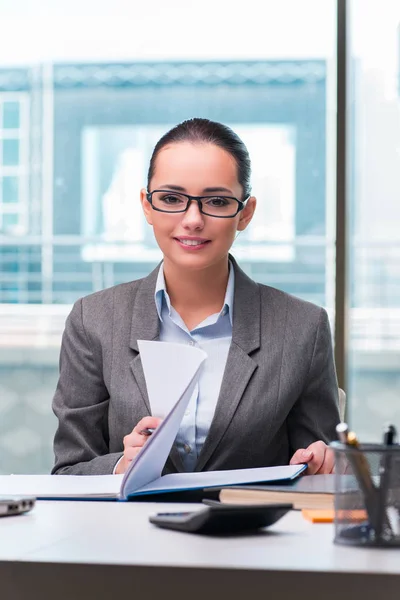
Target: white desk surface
{"type": "Point", "coordinates": [92, 549]}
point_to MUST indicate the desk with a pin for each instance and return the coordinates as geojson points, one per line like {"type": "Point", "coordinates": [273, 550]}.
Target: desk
{"type": "Point", "coordinates": [102, 550]}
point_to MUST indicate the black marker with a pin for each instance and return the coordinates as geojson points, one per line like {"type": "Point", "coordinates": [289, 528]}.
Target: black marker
{"type": "Point", "coordinates": [389, 437]}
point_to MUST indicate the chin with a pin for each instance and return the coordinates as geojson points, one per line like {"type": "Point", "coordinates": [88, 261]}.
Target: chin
{"type": "Point", "coordinates": [195, 261]}
{"type": "Point", "coordinates": [191, 262]}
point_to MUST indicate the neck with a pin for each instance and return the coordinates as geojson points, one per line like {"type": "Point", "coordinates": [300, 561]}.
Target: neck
{"type": "Point", "coordinates": [191, 291]}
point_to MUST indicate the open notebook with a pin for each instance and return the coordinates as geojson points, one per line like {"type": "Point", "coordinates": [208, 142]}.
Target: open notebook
{"type": "Point", "coordinates": [171, 372]}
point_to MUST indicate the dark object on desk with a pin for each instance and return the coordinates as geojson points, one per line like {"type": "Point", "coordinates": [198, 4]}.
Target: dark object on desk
{"type": "Point", "coordinates": [16, 505]}
{"type": "Point", "coordinates": [222, 519]}
{"type": "Point", "coordinates": [389, 435]}
{"type": "Point", "coordinates": [385, 465]}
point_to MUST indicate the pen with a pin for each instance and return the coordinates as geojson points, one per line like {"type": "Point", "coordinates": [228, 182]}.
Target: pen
{"type": "Point", "coordinates": [147, 431]}
{"type": "Point", "coordinates": [389, 437]}
{"type": "Point", "coordinates": [362, 472]}
{"type": "Point", "coordinates": [362, 465]}
{"type": "Point", "coordinates": [342, 429]}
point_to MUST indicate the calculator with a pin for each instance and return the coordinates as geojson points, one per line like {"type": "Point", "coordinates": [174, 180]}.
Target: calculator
{"type": "Point", "coordinates": [217, 518]}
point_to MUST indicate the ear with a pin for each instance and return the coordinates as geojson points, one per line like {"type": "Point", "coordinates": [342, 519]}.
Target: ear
{"type": "Point", "coordinates": [246, 215]}
{"type": "Point", "coordinates": [148, 211]}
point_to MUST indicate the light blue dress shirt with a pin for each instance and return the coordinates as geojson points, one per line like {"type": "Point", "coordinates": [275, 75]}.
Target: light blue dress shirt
{"type": "Point", "coordinates": [214, 336]}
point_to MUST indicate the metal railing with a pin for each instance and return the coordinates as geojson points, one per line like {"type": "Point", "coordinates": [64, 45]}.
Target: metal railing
{"type": "Point", "coordinates": [33, 305]}
{"type": "Point", "coordinates": [59, 271]}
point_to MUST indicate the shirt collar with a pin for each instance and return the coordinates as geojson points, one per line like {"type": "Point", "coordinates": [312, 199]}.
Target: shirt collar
{"type": "Point", "coordinates": [161, 293]}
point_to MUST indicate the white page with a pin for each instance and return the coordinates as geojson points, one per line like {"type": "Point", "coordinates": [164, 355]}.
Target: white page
{"type": "Point", "coordinates": [163, 384]}
{"type": "Point", "coordinates": [190, 481]}
{"type": "Point", "coordinates": [60, 486]}
{"type": "Point", "coordinates": [171, 371]}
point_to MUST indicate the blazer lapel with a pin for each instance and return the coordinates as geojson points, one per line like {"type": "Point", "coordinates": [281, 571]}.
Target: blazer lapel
{"type": "Point", "coordinates": [146, 326]}
{"type": "Point", "coordinates": [240, 366]}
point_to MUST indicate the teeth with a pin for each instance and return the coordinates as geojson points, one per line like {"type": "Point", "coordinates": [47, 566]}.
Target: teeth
{"type": "Point", "coordinates": [191, 242]}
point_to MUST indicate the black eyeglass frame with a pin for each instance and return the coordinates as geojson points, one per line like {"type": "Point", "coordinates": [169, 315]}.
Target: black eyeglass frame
{"type": "Point", "coordinates": [198, 199]}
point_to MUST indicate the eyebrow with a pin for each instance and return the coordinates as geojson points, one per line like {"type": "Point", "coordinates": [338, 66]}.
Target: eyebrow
{"type": "Point", "coordinates": [178, 188]}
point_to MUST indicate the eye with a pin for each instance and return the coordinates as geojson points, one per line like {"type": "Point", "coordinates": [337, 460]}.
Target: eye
{"type": "Point", "coordinates": [218, 202]}
{"type": "Point", "coordinates": [172, 199]}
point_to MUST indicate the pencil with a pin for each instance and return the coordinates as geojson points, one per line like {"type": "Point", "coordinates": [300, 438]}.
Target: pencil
{"type": "Point", "coordinates": [362, 473]}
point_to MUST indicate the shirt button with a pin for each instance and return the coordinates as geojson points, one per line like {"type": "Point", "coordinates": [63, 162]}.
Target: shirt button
{"type": "Point", "coordinates": [187, 448]}
{"type": "Point", "coordinates": [187, 413]}
{"type": "Point", "coordinates": [192, 343]}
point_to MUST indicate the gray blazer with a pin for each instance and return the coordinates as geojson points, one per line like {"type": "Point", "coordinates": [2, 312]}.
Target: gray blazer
{"type": "Point", "coordinates": [279, 390]}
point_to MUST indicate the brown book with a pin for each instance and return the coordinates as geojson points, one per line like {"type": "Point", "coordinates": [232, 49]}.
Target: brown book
{"type": "Point", "coordinates": [307, 492]}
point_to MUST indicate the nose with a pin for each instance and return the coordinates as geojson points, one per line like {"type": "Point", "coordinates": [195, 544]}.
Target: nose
{"type": "Point", "coordinates": [193, 218]}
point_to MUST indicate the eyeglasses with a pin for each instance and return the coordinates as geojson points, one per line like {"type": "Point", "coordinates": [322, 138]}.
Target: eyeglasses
{"type": "Point", "coordinates": [223, 207]}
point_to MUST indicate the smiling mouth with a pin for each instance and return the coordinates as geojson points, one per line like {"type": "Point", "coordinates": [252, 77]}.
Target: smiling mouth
{"type": "Point", "coordinates": [189, 242]}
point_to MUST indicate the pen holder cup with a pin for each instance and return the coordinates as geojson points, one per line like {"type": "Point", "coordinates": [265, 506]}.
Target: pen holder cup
{"type": "Point", "coordinates": [367, 495]}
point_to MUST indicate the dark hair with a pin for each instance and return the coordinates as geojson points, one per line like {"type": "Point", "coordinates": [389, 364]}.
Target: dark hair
{"type": "Point", "coordinates": [205, 131]}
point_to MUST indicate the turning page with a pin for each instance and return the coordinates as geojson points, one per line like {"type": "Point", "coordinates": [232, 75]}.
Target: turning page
{"type": "Point", "coordinates": [171, 372]}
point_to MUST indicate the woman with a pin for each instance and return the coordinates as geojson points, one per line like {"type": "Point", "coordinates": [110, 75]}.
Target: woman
{"type": "Point", "coordinates": [267, 393]}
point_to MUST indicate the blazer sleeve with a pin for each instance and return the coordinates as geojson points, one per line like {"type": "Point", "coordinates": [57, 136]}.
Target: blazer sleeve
{"type": "Point", "coordinates": [81, 405]}
{"type": "Point", "coordinates": [316, 413]}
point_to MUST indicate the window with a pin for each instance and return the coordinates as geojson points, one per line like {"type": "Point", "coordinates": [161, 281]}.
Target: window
{"type": "Point", "coordinates": [374, 357]}
{"type": "Point", "coordinates": [14, 163]}
{"type": "Point", "coordinates": [81, 108]}
{"type": "Point", "coordinates": [11, 114]}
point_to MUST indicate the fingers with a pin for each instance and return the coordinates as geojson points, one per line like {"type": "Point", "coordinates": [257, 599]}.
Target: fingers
{"type": "Point", "coordinates": [301, 456]}
{"type": "Point", "coordinates": [328, 466]}
{"type": "Point", "coordinates": [318, 457]}
{"type": "Point", "coordinates": [151, 422]}
{"type": "Point", "coordinates": [323, 460]}
{"type": "Point", "coordinates": [135, 438]}
{"type": "Point", "coordinates": [318, 451]}
{"type": "Point", "coordinates": [134, 441]}
{"type": "Point", "coordinates": [131, 453]}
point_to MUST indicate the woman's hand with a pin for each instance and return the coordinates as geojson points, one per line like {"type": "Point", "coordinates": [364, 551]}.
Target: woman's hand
{"type": "Point", "coordinates": [318, 457]}
{"type": "Point", "coordinates": [134, 442]}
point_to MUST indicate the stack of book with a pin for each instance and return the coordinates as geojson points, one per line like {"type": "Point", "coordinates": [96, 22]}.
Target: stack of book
{"type": "Point", "coordinates": [313, 492]}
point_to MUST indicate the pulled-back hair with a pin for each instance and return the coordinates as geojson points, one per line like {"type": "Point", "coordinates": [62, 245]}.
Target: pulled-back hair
{"type": "Point", "coordinates": [205, 131]}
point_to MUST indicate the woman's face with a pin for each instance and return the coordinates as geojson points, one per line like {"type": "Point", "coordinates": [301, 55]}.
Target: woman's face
{"type": "Point", "coordinates": [197, 169]}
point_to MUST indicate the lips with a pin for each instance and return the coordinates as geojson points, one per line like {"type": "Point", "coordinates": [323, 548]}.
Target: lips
{"type": "Point", "coordinates": [192, 243]}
